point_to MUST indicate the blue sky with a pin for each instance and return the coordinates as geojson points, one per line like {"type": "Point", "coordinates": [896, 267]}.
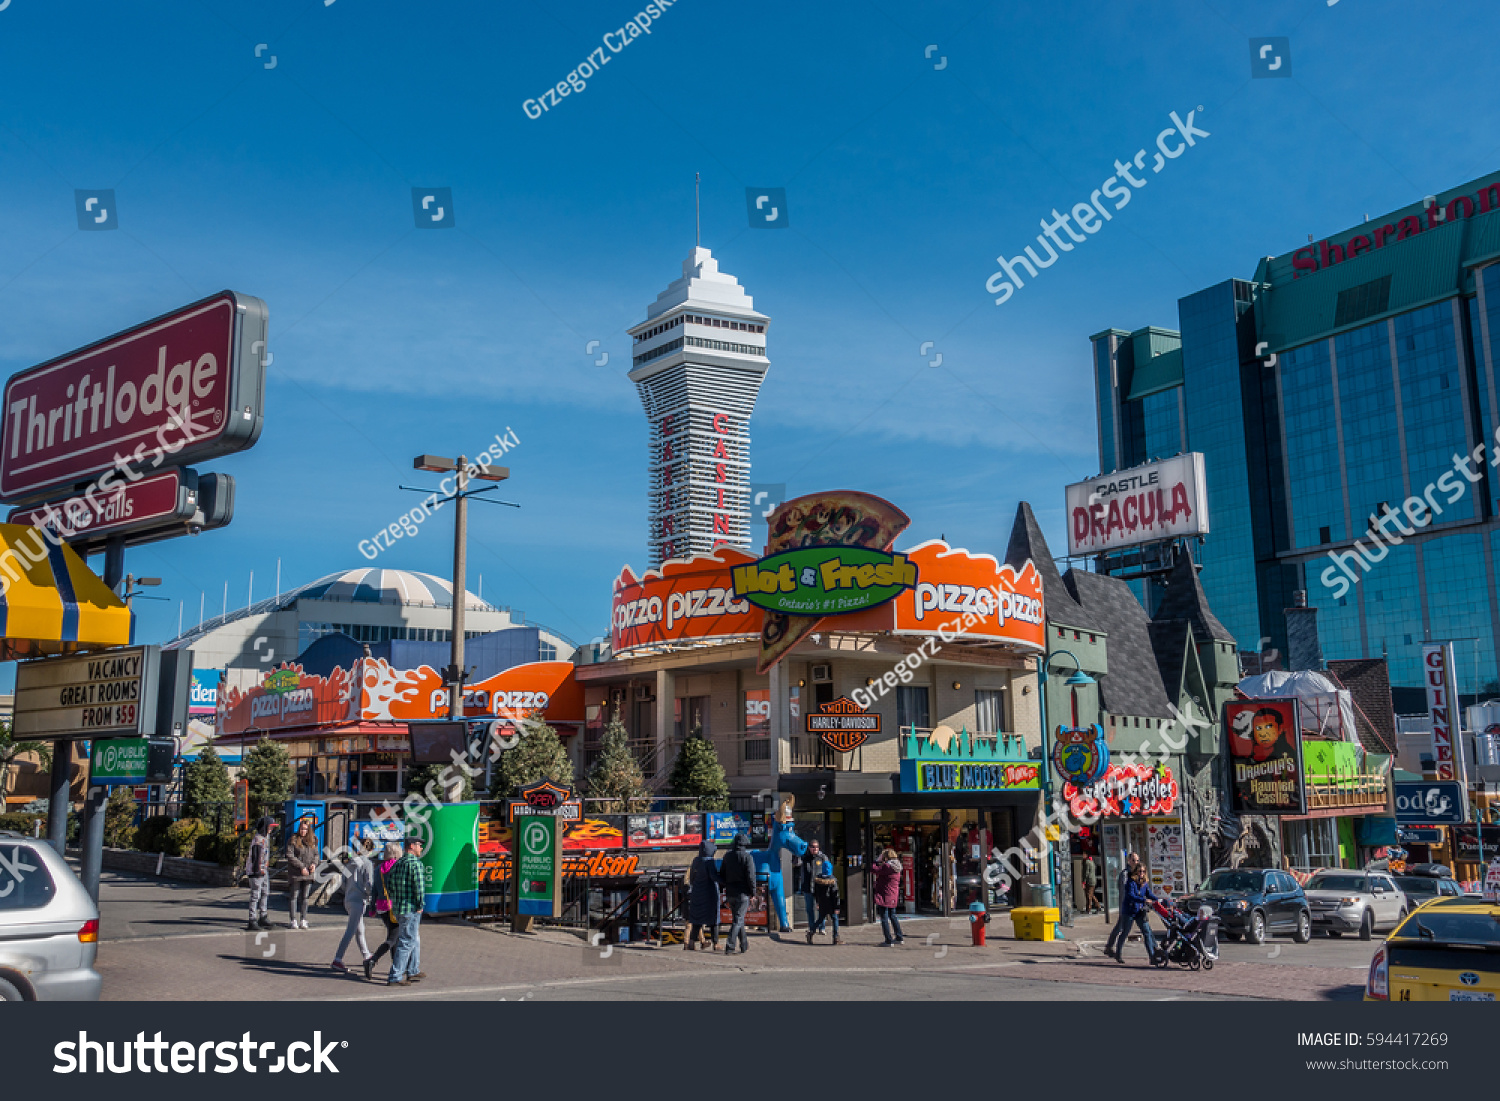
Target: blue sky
{"type": "Point", "coordinates": [904, 182]}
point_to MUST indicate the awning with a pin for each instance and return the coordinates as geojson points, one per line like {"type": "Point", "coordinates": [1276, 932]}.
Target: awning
{"type": "Point", "coordinates": [49, 601]}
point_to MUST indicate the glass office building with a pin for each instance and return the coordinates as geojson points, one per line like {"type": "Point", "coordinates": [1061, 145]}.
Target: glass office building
{"type": "Point", "coordinates": [1344, 399]}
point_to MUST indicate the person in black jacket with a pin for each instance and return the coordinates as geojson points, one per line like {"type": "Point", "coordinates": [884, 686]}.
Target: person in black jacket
{"type": "Point", "coordinates": [738, 876]}
{"type": "Point", "coordinates": [703, 897]}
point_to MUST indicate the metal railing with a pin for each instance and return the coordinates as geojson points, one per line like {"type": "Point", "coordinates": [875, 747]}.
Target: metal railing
{"type": "Point", "coordinates": [1346, 789]}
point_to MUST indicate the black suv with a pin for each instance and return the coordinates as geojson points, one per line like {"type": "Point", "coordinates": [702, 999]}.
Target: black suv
{"type": "Point", "coordinates": [1254, 903]}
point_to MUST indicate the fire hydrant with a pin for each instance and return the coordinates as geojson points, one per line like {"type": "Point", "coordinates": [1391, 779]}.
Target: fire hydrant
{"type": "Point", "coordinates": [979, 917]}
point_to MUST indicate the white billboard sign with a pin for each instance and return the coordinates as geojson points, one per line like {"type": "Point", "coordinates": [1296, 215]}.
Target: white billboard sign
{"type": "Point", "coordinates": [1145, 504]}
{"type": "Point", "coordinates": [108, 694]}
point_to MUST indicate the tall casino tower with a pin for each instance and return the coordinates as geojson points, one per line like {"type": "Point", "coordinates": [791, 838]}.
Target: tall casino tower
{"type": "Point", "coordinates": [699, 360]}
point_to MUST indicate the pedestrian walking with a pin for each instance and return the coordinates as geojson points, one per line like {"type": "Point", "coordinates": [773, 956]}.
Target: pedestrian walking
{"type": "Point", "coordinates": [407, 884]}
{"type": "Point", "coordinates": [1121, 931]}
{"type": "Point", "coordinates": [825, 894]}
{"type": "Point", "coordinates": [804, 869]}
{"type": "Point", "coordinates": [703, 898]}
{"type": "Point", "coordinates": [381, 894]}
{"type": "Point", "coordinates": [1090, 881]}
{"type": "Point", "coordinates": [738, 877]}
{"type": "Point", "coordinates": [1133, 908]}
{"type": "Point", "coordinates": [301, 860]}
{"type": "Point", "coordinates": [257, 870]}
{"type": "Point", "coordinates": [359, 886]}
{"type": "Point", "coordinates": [888, 872]}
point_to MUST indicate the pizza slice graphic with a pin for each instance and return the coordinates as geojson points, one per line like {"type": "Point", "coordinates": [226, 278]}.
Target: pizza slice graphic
{"type": "Point", "coordinates": [843, 518]}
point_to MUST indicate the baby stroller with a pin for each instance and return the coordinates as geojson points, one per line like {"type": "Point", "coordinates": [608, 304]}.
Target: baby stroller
{"type": "Point", "coordinates": [1191, 940]}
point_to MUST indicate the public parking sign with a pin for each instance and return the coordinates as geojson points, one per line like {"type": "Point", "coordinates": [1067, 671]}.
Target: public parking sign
{"type": "Point", "coordinates": [194, 378]}
{"type": "Point", "coordinates": [538, 866]}
{"type": "Point", "coordinates": [1431, 803]}
{"type": "Point", "coordinates": [119, 761]}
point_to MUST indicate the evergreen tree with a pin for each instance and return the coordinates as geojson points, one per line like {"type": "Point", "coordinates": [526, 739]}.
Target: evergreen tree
{"type": "Point", "coordinates": [616, 775]}
{"type": "Point", "coordinates": [206, 790]}
{"type": "Point", "coordinates": [119, 818]}
{"type": "Point", "coordinates": [419, 776]}
{"type": "Point", "coordinates": [539, 755]}
{"type": "Point", "coordinates": [697, 773]}
{"type": "Point", "coordinates": [268, 768]}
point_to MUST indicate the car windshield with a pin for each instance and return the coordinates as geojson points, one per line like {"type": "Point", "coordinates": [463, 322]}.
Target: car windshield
{"type": "Point", "coordinates": [1417, 884]}
{"type": "Point", "coordinates": [1444, 925]}
{"type": "Point", "coordinates": [1232, 879]}
{"type": "Point", "coordinates": [1337, 883]}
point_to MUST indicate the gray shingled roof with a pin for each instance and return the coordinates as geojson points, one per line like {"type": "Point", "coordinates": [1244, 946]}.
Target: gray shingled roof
{"type": "Point", "coordinates": [1170, 639]}
{"type": "Point", "coordinates": [1369, 684]}
{"type": "Point", "coordinates": [1133, 685]}
{"type": "Point", "coordinates": [1185, 599]}
{"type": "Point", "coordinates": [1026, 541]}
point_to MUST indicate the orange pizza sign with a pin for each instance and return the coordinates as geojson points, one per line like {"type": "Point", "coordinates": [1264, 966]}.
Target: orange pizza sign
{"type": "Point", "coordinates": [539, 687]}
{"type": "Point", "coordinates": [688, 599]}
{"type": "Point", "coordinates": [962, 596]}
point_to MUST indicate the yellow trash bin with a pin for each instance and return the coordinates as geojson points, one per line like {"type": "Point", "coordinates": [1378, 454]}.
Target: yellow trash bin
{"type": "Point", "coordinates": [1035, 922]}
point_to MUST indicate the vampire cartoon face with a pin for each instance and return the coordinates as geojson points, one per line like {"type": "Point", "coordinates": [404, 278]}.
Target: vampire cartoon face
{"type": "Point", "coordinates": [1266, 732]}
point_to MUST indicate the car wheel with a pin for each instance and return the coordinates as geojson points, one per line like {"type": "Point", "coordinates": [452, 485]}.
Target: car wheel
{"type": "Point", "coordinates": [1304, 928]}
{"type": "Point", "coordinates": [1366, 926]}
{"type": "Point", "coordinates": [10, 993]}
{"type": "Point", "coordinates": [1257, 933]}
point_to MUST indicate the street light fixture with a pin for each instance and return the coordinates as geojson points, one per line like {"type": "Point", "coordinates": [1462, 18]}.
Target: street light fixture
{"type": "Point", "coordinates": [455, 675]}
{"type": "Point", "coordinates": [1078, 679]}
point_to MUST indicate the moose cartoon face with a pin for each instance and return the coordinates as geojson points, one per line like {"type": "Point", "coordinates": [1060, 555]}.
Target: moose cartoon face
{"type": "Point", "coordinates": [1076, 752]}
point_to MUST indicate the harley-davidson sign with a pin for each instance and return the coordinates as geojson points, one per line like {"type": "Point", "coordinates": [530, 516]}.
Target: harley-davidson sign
{"type": "Point", "coordinates": [199, 370]}
{"type": "Point", "coordinates": [843, 724]}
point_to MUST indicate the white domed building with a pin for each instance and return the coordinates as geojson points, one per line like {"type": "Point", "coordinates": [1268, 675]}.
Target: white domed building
{"type": "Point", "coordinates": [369, 606]}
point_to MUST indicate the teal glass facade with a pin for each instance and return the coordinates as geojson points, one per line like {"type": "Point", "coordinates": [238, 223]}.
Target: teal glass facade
{"type": "Point", "coordinates": [1309, 441]}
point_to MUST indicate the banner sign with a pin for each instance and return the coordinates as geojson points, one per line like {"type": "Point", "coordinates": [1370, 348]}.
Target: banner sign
{"type": "Point", "coordinates": [823, 581]}
{"type": "Point", "coordinates": [664, 831]}
{"type": "Point", "coordinates": [1145, 504]}
{"type": "Point", "coordinates": [197, 372]}
{"type": "Point", "coordinates": [119, 761]}
{"type": "Point", "coordinates": [1442, 708]}
{"type": "Point", "coordinates": [686, 601]}
{"type": "Point", "coordinates": [539, 857]}
{"type": "Point", "coordinates": [450, 836]}
{"type": "Point", "coordinates": [723, 825]}
{"type": "Point", "coordinates": [934, 776]}
{"type": "Point", "coordinates": [496, 868]}
{"type": "Point", "coordinates": [283, 699]}
{"type": "Point", "coordinates": [1430, 803]}
{"type": "Point", "coordinates": [1126, 791]}
{"type": "Point", "coordinates": [203, 696]}
{"type": "Point", "coordinates": [843, 724]}
{"type": "Point", "coordinates": [1465, 840]}
{"type": "Point", "coordinates": [1080, 754]}
{"type": "Point", "coordinates": [544, 688]}
{"type": "Point", "coordinates": [111, 693]}
{"type": "Point", "coordinates": [1265, 756]}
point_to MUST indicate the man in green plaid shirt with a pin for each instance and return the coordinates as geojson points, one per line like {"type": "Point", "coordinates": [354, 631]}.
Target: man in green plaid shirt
{"type": "Point", "coordinates": [406, 884]}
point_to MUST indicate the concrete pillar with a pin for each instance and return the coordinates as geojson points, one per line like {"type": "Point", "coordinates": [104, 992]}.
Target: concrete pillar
{"type": "Point", "coordinates": [666, 720]}
{"type": "Point", "coordinates": [781, 754]}
{"type": "Point", "coordinates": [92, 837]}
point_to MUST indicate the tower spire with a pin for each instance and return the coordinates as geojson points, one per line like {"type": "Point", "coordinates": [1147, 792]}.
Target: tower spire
{"type": "Point", "coordinates": [698, 207]}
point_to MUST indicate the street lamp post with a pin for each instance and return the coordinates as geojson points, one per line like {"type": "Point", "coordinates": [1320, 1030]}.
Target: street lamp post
{"type": "Point", "coordinates": [463, 470]}
{"type": "Point", "coordinates": [1078, 679]}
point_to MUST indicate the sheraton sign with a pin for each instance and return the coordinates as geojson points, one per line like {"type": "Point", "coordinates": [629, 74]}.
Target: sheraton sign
{"type": "Point", "coordinates": [107, 405]}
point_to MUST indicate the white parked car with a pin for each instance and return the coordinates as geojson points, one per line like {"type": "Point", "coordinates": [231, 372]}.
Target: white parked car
{"type": "Point", "coordinates": [49, 927]}
{"type": "Point", "coordinates": [1354, 902]}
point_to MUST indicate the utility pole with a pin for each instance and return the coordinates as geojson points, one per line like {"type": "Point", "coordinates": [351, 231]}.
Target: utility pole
{"type": "Point", "coordinates": [463, 472]}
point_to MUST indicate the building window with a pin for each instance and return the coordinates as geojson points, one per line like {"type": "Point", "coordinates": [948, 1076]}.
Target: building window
{"type": "Point", "coordinates": [691, 713]}
{"type": "Point", "coordinates": [545, 651]}
{"type": "Point", "coordinates": [1325, 535]}
{"type": "Point", "coordinates": [989, 711]}
{"type": "Point", "coordinates": [911, 708]}
{"type": "Point", "coordinates": [1311, 844]}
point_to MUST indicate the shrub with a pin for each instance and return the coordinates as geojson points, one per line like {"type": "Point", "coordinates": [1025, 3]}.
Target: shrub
{"type": "Point", "coordinates": [232, 848]}
{"type": "Point", "coordinates": [119, 818]}
{"type": "Point", "coordinates": [182, 836]}
{"type": "Point", "coordinates": [151, 834]}
{"type": "Point", "coordinates": [22, 823]}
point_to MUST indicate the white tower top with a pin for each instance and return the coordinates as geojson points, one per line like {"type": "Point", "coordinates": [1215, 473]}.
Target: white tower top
{"type": "Point", "coordinates": [698, 363]}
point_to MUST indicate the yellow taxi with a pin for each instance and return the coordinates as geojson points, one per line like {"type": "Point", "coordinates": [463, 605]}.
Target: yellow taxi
{"type": "Point", "coordinates": [1447, 950]}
